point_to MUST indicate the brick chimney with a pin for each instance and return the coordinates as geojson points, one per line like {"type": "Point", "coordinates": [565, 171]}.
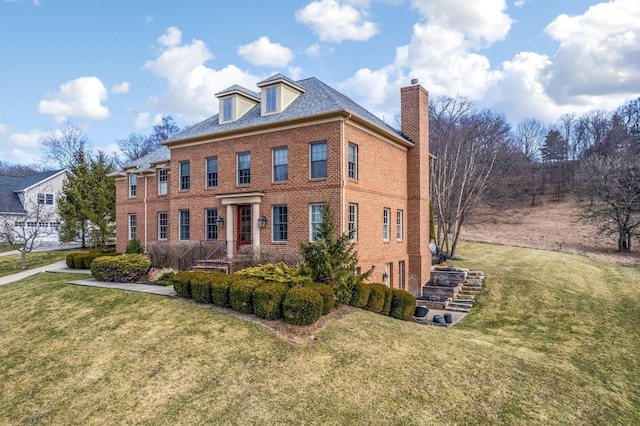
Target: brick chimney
{"type": "Point", "coordinates": [414, 101]}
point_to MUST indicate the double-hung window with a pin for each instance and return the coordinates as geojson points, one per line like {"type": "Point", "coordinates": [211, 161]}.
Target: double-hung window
{"type": "Point", "coordinates": [315, 219]}
{"type": "Point", "coordinates": [133, 185]}
{"type": "Point", "coordinates": [185, 225]}
{"type": "Point", "coordinates": [399, 225]}
{"type": "Point", "coordinates": [185, 175]}
{"type": "Point", "coordinates": [45, 199]}
{"type": "Point", "coordinates": [352, 222]}
{"type": "Point", "coordinates": [280, 223]}
{"type": "Point", "coordinates": [212, 224]}
{"type": "Point", "coordinates": [353, 161]}
{"type": "Point", "coordinates": [244, 168]}
{"type": "Point", "coordinates": [212, 172]}
{"type": "Point", "coordinates": [163, 179]}
{"type": "Point", "coordinates": [271, 100]}
{"type": "Point", "coordinates": [280, 164]}
{"type": "Point", "coordinates": [163, 225]}
{"type": "Point", "coordinates": [386, 217]}
{"type": "Point", "coordinates": [318, 160]}
{"type": "Point", "coordinates": [133, 224]}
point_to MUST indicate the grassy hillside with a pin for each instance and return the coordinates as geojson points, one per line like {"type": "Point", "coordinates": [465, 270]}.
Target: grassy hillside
{"type": "Point", "coordinates": [554, 339]}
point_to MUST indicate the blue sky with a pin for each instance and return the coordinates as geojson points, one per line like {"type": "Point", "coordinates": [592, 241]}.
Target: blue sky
{"type": "Point", "coordinates": [116, 67]}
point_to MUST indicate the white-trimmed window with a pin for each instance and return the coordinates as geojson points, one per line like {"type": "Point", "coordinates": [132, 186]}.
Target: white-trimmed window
{"type": "Point", "coordinates": [399, 225]}
{"type": "Point", "coordinates": [227, 109]}
{"type": "Point", "coordinates": [185, 225]}
{"type": "Point", "coordinates": [244, 168]}
{"type": "Point", "coordinates": [352, 221]}
{"type": "Point", "coordinates": [280, 164]}
{"type": "Point", "coordinates": [318, 160]}
{"type": "Point", "coordinates": [401, 274]}
{"type": "Point", "coordinates": [212, 172]}
{"type": "Point", "coordinates": [315, 220]}
{"type": "Point", "coordinates": [280, 223]}
{"type": "Point", "coordinates": [211, 230]}
{"type": "Point", "coordinates": [353, 161]}
{"type": "Point", "coordinates": [271, 100]}
{"type": "Point", "coordinates": [163, 225]}
{"type": "Point", "coordinates": [45, 198]}
{"type": "Point", "coordinates": [185, 175]}
{"type": "Point", "coordinates": [386, 218]}
{"type": "Point", "coordinates": [133, 185]}
{"type": "Point", "coordinates": [133, 225]}
{"type": "Point", "coordinates": [163, 180]}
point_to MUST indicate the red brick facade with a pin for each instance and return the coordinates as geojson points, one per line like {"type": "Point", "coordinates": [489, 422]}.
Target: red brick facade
{"type": "Point", "coordinates": [392, 174]}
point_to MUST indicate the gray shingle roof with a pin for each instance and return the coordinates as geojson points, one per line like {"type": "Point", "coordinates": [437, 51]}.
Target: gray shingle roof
{"type": "Point", "coordinates": [318, 98]}
{"type": "Point", "coordinates": [148, 162]}
{"type": "Point", "coordinates": [238, 88]}
{"type": "Point", "coordinates": [10, 186]}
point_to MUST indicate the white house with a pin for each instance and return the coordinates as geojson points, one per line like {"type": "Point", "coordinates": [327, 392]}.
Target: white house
{"type": "Point", "coordinates": [28, 203]}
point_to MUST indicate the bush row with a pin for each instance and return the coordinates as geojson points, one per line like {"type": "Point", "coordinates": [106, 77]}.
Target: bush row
{"type": "Point", "coordinates": [383, 300]}
{"type": "Point", "coordinates": [265, 299]}
{"type": "Point", "coordinates": [83, 259]}
{"type": "Point", "coordinates": [125, 268]}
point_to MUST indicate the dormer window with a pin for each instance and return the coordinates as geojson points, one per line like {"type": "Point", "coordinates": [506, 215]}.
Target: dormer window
{"type": "Point", "coordinates": [271, 100]}
{"type": "Point", "coordinates": [227, 109]}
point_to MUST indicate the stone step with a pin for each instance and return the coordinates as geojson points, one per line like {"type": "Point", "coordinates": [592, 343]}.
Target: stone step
{"type": "Point", "coordinates": [461, 303]}
{"type": "Point", "coordinates": [459, 308]}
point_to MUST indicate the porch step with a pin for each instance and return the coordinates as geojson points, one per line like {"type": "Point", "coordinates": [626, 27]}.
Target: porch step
{"type": "Point", "coordinates": [211, 265]}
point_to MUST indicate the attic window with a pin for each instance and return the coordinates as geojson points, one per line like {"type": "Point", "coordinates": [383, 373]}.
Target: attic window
{"type": "Point", "coordinates": [227, 110]}
{"type": "Point", "coordinates": [271, 99]}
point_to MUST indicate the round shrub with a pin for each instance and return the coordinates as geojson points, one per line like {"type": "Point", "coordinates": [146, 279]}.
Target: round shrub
{"type": "Point", "coordinates": [302, 306]}
{"type": "Point", "coordinates": [267, 300]}
{"type": "Point", "coordinates": [360, 295]}
{"type": "Point", "coordinates": [220, 289]}
{"type": "Point", "coordinates": [201, 286]}
{"type": "Point", "coordinates": [403, 305]}
{"type": "Point", "coordinates": [126, 268]}
{"type": "Point", "coordinates": [240, 294]}
{"type": "Point", "coordinates": [328, 296]}
{"type": "Point", "coordinates": [78, 261]}
{"type": "Point", "coordinates": [182, 284]}
{"type": "Point", "coordinates": [69, 259]}
{"type": "Point", "coordinates": [376, 298]}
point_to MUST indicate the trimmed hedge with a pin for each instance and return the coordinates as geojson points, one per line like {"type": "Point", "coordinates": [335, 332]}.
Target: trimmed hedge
{"type": "Point", "coordinates": [201, 287]}
{"type": "Point", "coordinates": [220, 289]}
{"type": "Point", "coordinates": [182, 283]}
{"type": "Point", "coordinates": [240, 294]}
{"type": "Point", "coordinates": [126, 268]}
{"type": "Point", "coordinates": [83, 259]}
{"type": "Point", "coordinates": [403, 305]}
{"type": "Point", "coordinates": [375, 303]}
{"type": "Point", "coordinates": [388, 297]}
{"type": "Point", "coordinates": [267, 300]}
{"type": "Point", "coordinates": [302, 306]}
{"type": "Point", "coordinates": [328, 296]}
{"type": "Point", "coordinates": [360, 295]}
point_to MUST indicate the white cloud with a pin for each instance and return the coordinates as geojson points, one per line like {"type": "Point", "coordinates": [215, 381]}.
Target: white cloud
{"type": "Point", "coordinates": [149, 19]}
{"type": "Point", "coordinates": [599, 53]}
{"type": "Point", "coordinates": [265, 53]}
{"type": "Point", "coordinates": [313, 51]}
{"type": "Point", "coordinates": [120, 88]}
{"type": "Point", "coordinates": [4, 129]}
{"type": "Point", "coordinates": [171, 38]}
{"type": "Point", "coordinates": [334, 21]}
{"type": "Point", "coordinates": [21, 147]}
{"type": "Point", "coordinates": [191, 85]}
{"type": "Point", "coordinates": [81, 97]}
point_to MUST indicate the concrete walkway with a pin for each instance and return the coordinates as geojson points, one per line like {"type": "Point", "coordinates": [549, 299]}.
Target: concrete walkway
{"type": "Point", "coordinates": [61, 267]}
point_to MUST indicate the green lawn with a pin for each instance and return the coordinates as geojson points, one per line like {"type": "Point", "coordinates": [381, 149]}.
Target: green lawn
{"type": "Point", "coordinates": [554, 339]}
{"type": "Point", "coordinates": [11, 264]}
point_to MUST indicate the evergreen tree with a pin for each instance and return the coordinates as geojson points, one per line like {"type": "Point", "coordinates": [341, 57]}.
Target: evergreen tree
{"type": "Point", "coordinates": [102, 206]}
{"type": "Point", "coordinates": [333, 260]}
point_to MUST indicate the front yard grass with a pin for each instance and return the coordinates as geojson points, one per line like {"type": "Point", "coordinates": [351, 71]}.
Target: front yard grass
{"type": "Point", "coordinates": [553, 339]}
{"type": "Point", "coordinates": [11, 264]}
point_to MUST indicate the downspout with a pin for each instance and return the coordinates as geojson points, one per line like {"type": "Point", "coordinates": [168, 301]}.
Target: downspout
{"type": "Point", "coordinates": [343, 175]}
{"type": "Point", "coordinates": [146, 179]}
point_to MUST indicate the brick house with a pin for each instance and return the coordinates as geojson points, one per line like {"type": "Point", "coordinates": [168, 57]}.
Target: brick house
{"type": "Point", "coordinates": [258, 173]}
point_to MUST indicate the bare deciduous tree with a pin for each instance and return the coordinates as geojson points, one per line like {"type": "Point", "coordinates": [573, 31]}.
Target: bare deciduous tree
{"type": "Point", "coordinates": [530, 136]}
{"type": "Point", "coordinates": [466, 144]}
{"type": "Point", "coordinates": [67, 146]}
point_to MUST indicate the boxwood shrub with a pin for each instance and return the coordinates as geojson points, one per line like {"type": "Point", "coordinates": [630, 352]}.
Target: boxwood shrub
{"type": "Point", "coordinates": [388, 297]}
{"type": "Point", "coordinates": [360, 295]}
{"type": "Point", "coordinates": [302, 306]}
{"type": "Point", "coordinates": [182, 284]}
{"type": "Point", "coordinates": [328, 296]}
{"type": "Point", "coordinates": [375, 303]}
{"type": "Point", "coordinates": [83, 259]}
{"type": "Point", "coordinates": [220, 289]}
{"type": "Point", "coordinates": [267, 300]}
{"type": "Point", "coordinates": [126, 268]}
{"type": "Point", "coordinates": [403, 305]}
{"type": "Point", "coordinates": [241, 292]}
{"type": "Point", "coordinates": [201, 286]}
